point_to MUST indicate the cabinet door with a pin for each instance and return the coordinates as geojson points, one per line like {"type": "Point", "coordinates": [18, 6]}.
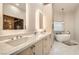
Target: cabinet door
{"type": "Point", "coordinates": [50, 41]}
{"type": "Point", "coordinates": [27, 51]}
{"type": "Point", "coordinates": [38, 48]}
{"type": "Point", "coordinates": [46, 45]}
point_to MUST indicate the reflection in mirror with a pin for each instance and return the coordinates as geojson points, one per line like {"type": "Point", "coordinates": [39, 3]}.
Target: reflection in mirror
{"type": "Point", "coordinates": [10, 22]}
{"type": "Point", "coordinates": [14, 16]}
{"type": "Point", "coordinates": [41, 20]}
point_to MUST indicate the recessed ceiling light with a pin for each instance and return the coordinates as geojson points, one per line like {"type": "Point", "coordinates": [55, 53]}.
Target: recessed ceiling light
{"type": "Point", "coordinates": [17, 4]}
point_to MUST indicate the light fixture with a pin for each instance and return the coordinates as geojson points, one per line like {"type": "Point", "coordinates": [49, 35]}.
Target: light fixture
{"type": "Point", "coordinates": [62, 13]}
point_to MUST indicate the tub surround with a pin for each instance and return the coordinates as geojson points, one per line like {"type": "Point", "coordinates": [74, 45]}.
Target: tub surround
{"type": "Point", "coordinates": [7, 49]}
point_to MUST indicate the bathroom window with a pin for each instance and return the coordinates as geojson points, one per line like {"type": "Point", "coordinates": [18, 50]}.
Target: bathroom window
{"type": "Point", "coordinates": [58, 26]}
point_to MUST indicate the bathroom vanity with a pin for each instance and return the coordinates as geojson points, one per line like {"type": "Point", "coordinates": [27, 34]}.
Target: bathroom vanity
{"type": "Point", "coordinates": [16, 42]}
{"type": "Point", "coordinates": [39, 44]}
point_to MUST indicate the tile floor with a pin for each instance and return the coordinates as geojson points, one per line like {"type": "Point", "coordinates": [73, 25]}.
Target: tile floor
{"type": "Point", "coordinates": [63, 49]}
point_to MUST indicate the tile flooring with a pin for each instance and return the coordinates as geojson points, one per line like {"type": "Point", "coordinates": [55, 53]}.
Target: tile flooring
{"type": "Point", "coordinates": [63, 49]}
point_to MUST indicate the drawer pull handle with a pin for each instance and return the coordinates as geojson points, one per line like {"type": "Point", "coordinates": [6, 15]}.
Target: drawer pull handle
{"type": "Point", "coordinates": [32, 46]}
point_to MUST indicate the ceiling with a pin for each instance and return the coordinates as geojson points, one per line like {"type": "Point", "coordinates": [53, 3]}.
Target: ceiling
{"type": "Point", "coordinates": [68, 7]}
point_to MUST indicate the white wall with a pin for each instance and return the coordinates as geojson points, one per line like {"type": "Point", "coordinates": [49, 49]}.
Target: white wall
{"type": "Point", "coordinates": [69, 24]}
{"type": "Point", "coordinates": [1, 17]}
{"type": "Point", "coordinates": [77, 24]}
{"type": "Point", "coordinates": [48, 17]}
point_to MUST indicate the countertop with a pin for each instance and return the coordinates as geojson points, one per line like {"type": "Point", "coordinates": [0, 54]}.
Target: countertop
{"type": "Point", "coordinates": [6, 49]}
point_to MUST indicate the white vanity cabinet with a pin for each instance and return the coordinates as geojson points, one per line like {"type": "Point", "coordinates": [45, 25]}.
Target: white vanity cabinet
{"type": "Point", "coordinates": [46, 45]}
{"type": "Point", "coordinates": [27, 51]}
{"type": "Point", "coordinates": [42, 47]}
{"type": "Point", "coordinates": [50, 39]}
{"type": "Point", "coordinates": [38, 48]}
{"type": "Point", "coordinates": [35, 49]}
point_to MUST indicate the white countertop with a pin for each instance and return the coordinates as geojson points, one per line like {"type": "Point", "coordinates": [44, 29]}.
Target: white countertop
{"type": "Point", "coordinates": [7, 49]}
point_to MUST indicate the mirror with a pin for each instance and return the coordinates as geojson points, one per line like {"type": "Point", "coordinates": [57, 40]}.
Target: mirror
{"type": "Point", "coordinates": [39, 19]}
{"type": "Point", "coordinates": [14, 16]}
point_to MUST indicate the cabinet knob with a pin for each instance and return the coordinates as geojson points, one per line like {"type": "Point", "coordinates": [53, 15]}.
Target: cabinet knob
{"type": "Point", "coordinates": [46, 39]}
{"type": "Point", "coordinates": [33, 45]}
{"type": "Point", "coordinates": [12, 39]}
{"type": "Point", "coordinates": [20, 36]}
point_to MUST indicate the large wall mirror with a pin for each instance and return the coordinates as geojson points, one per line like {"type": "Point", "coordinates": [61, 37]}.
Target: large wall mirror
{"type": "Point", "coordinates": [14, 16]}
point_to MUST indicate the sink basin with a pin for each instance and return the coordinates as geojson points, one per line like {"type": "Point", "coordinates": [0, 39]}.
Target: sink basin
{"type": "Point", "coordinates": [18, 41]}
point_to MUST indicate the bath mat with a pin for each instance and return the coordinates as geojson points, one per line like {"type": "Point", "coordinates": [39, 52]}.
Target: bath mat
{"type": "Point", "coordinates": [70, 43]}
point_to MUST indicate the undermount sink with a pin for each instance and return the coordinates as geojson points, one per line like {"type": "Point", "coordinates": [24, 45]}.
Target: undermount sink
{"type": "Point", "coordinates": [18, 41]}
